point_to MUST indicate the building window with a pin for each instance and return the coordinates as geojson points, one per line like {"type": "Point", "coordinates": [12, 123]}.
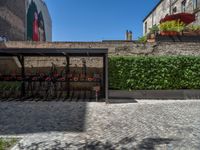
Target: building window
{"type": "Point", "coordinates": [174, 10]}
{"type": "Point", "coordinates": [145, 30]}
{"type": "Point", "coordinates": [183, 6]}
{"type": "Point", "coordinates": [196, 4]}
{"type": "Point", "coordinates": [154, 18]}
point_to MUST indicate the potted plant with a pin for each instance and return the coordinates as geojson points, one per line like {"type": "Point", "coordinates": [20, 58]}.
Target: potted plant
{"type": "Point", "coordinates": [192, 30]}
{"type": "Point", "coordinates": [153, 31]}
{"type": "Point", "coordinates": [152, 34]}
{"type": "Point", "coordinates": [179, 26]}
{"type": "Point", "coordinates": [163, 28]}
{"type": "Point", "coordinates": [171, 28]}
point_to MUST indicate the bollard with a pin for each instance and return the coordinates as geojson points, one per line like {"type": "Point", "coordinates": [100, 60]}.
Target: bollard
{"type": "Point", "coordinates": [96, 89]}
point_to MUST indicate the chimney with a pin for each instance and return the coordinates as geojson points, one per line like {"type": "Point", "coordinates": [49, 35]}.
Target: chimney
{"type": "Point", "coordinates": [129, 35]}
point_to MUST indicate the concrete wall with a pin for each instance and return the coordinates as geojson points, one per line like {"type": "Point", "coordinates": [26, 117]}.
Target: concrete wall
{"type": "Point", "coordinates": [12, 22]}
{"type": "Point", "coordinates": [165, 7]}
{"type": "Point", "coordinates": [13, 19]}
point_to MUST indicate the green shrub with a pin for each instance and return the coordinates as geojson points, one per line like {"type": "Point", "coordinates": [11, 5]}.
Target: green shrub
{"type": "Point", "coordinates": [193, 28]}
{"type": "Point", "coordinates": [8, 88]}
{"type": "Point", "coordinates": [153, 73]}
{"type": "Point", "coordinates": [154, 29]}
{"type": "Point", "coordinates": [7, 143]}
{"type": "Point", "coordinates": [6, 85]}
{"type": "Point", "coordinates": [142, 39]}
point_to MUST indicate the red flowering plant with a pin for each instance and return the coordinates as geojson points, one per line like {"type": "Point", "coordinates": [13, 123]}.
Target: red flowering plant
{"type": "Point", "coordinates": [186, 18]}
{"type": "Point", "coordinates": [35, 78]}
{"type": "Point", "coordinates": [61, 79]}
{"type": "Point", "coordinates": [19, 78]}
{"type": "Point", "coordinates": [70, 77]}
{"type": "Point", "coordinates": [56, 75]}
{"type": "Point", "coordinates": [175, 24]}
{"type": "Point", "coordinates": [41, 75]}
{"type": "Point", "coordinates": [75, 78]}
{"type": "Point", "coordinates": [90, 79]}
{"type": "Point", "coordinates": [62, 76]}
{"type": "Point", "coordinates": [48, 79]}
{"type": "Point", "coordinates": [7, 77]}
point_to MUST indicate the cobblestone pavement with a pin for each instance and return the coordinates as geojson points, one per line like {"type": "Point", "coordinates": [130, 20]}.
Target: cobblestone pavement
{"type": "Point", "coordinates": [146, 125]}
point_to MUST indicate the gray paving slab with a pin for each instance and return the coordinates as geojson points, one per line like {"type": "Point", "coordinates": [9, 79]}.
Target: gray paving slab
{"type": "Point", "coordinates": [146, 125]}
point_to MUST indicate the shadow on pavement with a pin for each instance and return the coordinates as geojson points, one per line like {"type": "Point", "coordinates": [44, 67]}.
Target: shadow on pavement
{"type": "Point", "coordinates": [125, 143]}
{"type": "Point", "coordinates": [116, 100]}
{"type": "Point", "coordinates": [151, 143]}
{"type": "Point", "coordinates": [35, 117]}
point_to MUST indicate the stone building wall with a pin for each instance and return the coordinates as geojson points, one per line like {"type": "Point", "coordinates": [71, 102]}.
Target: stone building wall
{"type": "Point", "coordinates": [156, 15]}
{"type": "Point", "coordinates": [189, 9]}
{"type": "Point", "coordinates": [165, 7]}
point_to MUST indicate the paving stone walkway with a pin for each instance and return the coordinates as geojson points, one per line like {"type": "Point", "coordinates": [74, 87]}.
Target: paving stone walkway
{"type": "Point", "coordinates": [146, 125]}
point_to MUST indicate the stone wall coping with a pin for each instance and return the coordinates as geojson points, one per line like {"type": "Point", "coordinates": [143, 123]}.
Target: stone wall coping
{"type": "Point", "coordinates": [155, 94]}
{"type": "Point", "coordinates": [116, 47]}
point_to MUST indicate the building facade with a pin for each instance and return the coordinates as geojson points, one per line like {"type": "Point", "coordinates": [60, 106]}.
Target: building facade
{"type": "Point", "coordinates": [22, 20]}
{"type": "Point", "coordinates": [168, 7]}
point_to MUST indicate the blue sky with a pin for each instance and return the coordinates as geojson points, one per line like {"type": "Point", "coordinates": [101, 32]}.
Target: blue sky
{"type": "Point", "coordinates": [96, 20]}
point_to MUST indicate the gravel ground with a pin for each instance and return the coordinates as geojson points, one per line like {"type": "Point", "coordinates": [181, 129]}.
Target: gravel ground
{"type": "Point", "coordinates": [146, 125]}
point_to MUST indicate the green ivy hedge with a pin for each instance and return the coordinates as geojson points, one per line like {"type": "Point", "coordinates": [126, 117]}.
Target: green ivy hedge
{"type": "Point", "coordinates": [153, 73]}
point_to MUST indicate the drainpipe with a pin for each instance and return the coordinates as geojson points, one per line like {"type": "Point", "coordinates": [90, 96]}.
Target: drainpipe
{"type": "Point", "coordinates": [170, 7]}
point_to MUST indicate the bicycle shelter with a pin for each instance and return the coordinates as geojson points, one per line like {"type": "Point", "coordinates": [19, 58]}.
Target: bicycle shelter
{"type": "Point", "coordinates": [66, 82]}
